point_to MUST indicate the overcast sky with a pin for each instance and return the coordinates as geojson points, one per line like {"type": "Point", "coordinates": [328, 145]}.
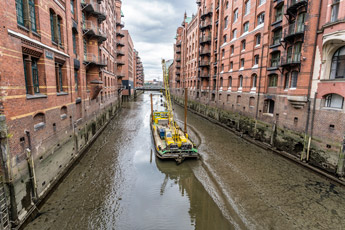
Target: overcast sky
{"type": "Point", "coordinates": [152, 25]}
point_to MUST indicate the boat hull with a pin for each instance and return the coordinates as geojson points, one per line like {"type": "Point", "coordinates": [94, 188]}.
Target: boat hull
{"type": "Point", "coordinates": [179, 154]}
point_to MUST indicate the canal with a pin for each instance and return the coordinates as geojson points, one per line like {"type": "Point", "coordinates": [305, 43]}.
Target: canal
{"type": "Point", "coordinates": [119, 184]}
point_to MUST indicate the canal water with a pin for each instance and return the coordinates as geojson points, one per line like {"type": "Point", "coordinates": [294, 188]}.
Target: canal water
{"type": "Point", "coordinates": [119, 184]}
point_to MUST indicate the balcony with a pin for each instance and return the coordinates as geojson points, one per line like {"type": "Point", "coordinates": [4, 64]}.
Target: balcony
{"type": "Point", "coordinates": [121, 24]}
{"type": "Point", "coordinates": [294, 5]}
{"type": "Point", "coordinates": [205, 39]}
{"type": "Point", "coordinates": [94, 8]}
{"type": "Point", "coordinates": [178, 66]}
{"type": "Point", "coordinates": [121, 44]}
{"type": "Point", "coordinates": [205, 25]}
{"type": "Point", "coordinates": [120, 34]}
{"type": "Point", "coordinates": [290, 61]}
{"type": "Point", "coordinates": [91, 31]}
{"type": "Point", "coordinates": [120, 53]}
{"type": "Point", "coordinates": [120, 63]}
{"type": "Point", "coordinates": [178, 44]}
{"type": "Point", "coordinates": [206, 12]}
{"type": "Point", "coordinates": [204, 64]}
{"type": "Point", "coordinates": [178, 50]}
{"type": "Point", "coordinates": [178, 73]}
{"type": "Point", "coordinates": [177, 79]}
{"type": "Point", "coordinates": [120, 75]}
{"type": "Point", "coordinates": [294, 32]}
{"type": "Point", "coordinates": [178, 59]}
{"type": "Point", "coordinates": [91, 59]}
{"type": "Point", "coordinates": [205, 52]}
{"type": "Point", "coordinates": [205, 75]}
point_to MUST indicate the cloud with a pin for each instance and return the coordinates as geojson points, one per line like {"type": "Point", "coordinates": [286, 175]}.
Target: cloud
{"type": "Point", "coordinates": [152, 25]}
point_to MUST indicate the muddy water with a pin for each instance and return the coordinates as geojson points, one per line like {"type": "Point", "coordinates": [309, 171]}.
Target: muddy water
{"type": "Point", "coordinates": [119, 184]}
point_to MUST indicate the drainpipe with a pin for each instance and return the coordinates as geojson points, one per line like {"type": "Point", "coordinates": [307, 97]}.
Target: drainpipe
{"type": "Point", "coordinates": [303, 157]}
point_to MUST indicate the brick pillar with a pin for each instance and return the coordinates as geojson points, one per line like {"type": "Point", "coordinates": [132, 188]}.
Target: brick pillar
{"type": "Point", "coordinates": [29, 80]}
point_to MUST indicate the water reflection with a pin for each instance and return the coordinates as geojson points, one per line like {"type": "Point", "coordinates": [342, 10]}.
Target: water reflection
{"type": "Point", "coordinates": [203, 211]}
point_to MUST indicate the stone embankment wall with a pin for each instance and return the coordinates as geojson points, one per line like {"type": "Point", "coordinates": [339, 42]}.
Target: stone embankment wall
{"type": "Point", "coordinates": [31, 179]}
{"type": "Point", "coordinates": [273, 136]}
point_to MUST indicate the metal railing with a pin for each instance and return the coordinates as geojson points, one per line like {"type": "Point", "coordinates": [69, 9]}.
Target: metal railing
{"type": "Point", "coordinates": [92, 58]}
{"type": "Point", "coordinates": [88, 25]}
{"type": "Point", "coordinates": [95, 5]}
{"type": "Point", "coordinates": [205, 38]}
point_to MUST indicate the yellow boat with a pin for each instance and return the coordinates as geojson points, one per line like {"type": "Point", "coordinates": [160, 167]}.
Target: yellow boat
{"type": "Point", "coordinates": [171, 142]}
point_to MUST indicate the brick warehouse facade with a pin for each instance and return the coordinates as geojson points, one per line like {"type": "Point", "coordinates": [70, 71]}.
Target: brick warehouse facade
{"type": "Point", "coordinates": [261, 67]}
{"type": "Point", "coordinates": [61, 82]}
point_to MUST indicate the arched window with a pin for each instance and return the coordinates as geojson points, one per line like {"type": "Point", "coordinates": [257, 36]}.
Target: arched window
{"type": "Point", "coordinates": [221, 83]}
{"type": "Point", "coordinates": [240, 81]}
{"type": "Point", "coordinates": [338, 64]}
{"type": "Point", "coordinates": [334, 101]}
{"type": "Point", "coordinates": [229, 82]}
{"type": "Point", "coordinates": [39, 121]}
{"type": "Point", "coordinates": [254, 80]}
{"type": "Point", "coordinates": [63, 112]}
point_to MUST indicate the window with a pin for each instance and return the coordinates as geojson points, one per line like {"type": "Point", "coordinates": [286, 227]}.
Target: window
{"type": "Point", "coordinates": [52, 26]}
{"type": "Point", "coordinates": [289, 54]}
{"type": "Point", "coordinates": [222, 67]}
{"type": "Point", "coordinates": [275, 58]}
{"type": "Point", "coordinates": [334, 101]}
{"type": "Point", "coordinates": [85, 48]}
{"type": "Point", "coordinates": [300, 23]}
{"type": "Point", "coordinates": [245, 27]}
{"type": "Point", "coordinates": [240, 82]}
{"type": "Point", "coordinates": [287, 81]}
{"type": "Point", "coordinates": [254, 80]}
{"type": "Point", "coordinates": [230, 82]}
{"type": "Point", "coordinates": [225, 22]}
{"type": "Point", "coordinates": [26, 14]}
{"type": "Point", "coordinates": [20, 12]}
{"type": "Point", "coordinates": [232, 49]}
{"type": "Point", "coordinates": [72, 7]}
{"type": "Point", "coordinates": [76, 83]}
{"type": "Point", "coordinates": [223, 53]}
{"type": "Point", "coordinates": [269, 106]}
{"type": "Point", "coordinates": [221, 82]}
{"type": "Point", "coordinates": [258, 39]}
{"type": "Point", "coordinates": [247, 7]}
{"type": "Point", "coordinates": [338, 64]}
{"type": "Point", "coordinates": [261, 2]}
{"type": "Point", "coordinates": [59, 77]}
{"type": "Point", "coordinates": [256, 60]}
{"type": "Point", "coordinates": [234, 34]}
{"type": "Point", "coordinates": [31, 74]}
{"type": "Point", "coordinates": [277, 35]}
{"type": "Point", "coordinates": [273, 80]}
{"type": "Point", "coordinates": [74, 43]}
{"type": "Point", "coordinates": [261, 18]}
{"type": "Point", "coordinates": [224, 38]}
{"type": "Point", "coordinates": [235, 15]}
{"type": "Point", "coordinates": [32, 15]}
{"type": "Point", "coordinates": [279, 13]}
{"type": "Point", "coordinates": [294, 78]}
{"type": "Point", "coordinates": [231, 65]}
{"type": "Point", "coordinates": [242, 63]}
{"type": "Point", "coordinates": [335, 10]}
{"type": "Point", "coordinates": [243, 44]}
{"type": "Point", "coordinates": [227, 5]}
{"type": "Point", "coordinates": [297, 52]}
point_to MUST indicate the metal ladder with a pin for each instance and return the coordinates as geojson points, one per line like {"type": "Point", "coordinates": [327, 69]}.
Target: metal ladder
{"type": "Point", "coordinates": [4, 217]}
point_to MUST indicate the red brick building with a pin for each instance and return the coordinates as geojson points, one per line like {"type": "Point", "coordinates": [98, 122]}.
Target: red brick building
{"type": "Point", "coordinates": [257, 73]}
{"type": "Point", "coordinates": [128, 70]}
{"type": "Point", "coordinates": [60, 76]}
{"type": "Point", "coordinates": [138, 71]}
